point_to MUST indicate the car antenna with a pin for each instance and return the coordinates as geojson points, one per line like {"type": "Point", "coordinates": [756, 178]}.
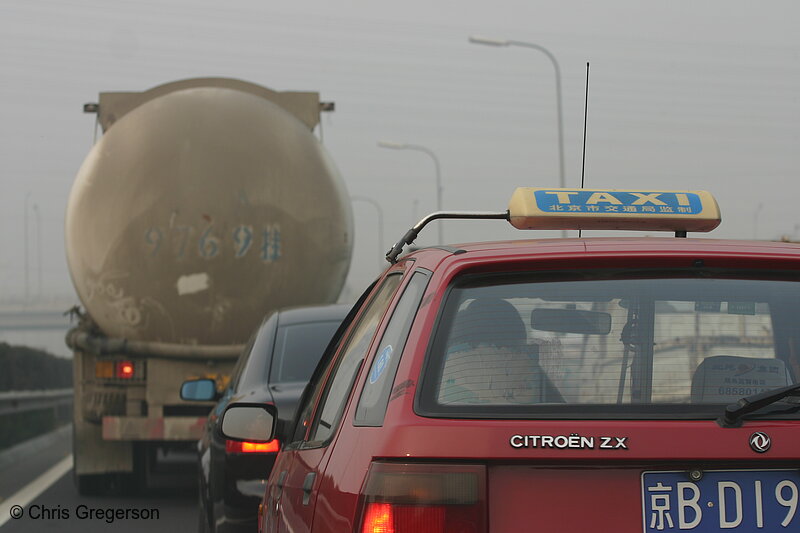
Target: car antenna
{"type": "Point", "coordinates": [585, 115]}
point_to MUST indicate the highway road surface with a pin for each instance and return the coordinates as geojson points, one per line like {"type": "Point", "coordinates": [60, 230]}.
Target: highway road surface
{"type": "Point", "coordinates": [37, 494]}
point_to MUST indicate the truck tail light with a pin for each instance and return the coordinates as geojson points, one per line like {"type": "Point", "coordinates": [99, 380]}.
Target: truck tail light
{"type": "Point", "coordinates": [104, 369]}
{"type": "Point", "coordinates": [237, 446]}
{"type": "Point", "coordinates": [424, 498]}
{"type": "Point", "coordinates": [125, 369]}
{"type": "Point", "coordinates": [116, 369]}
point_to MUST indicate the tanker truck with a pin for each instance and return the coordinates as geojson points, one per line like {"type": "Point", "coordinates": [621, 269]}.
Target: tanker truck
{"type": "Point", "coordinates": [205, 204]}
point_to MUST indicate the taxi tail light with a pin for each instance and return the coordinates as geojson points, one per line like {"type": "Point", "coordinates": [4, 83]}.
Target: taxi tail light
{"type": "Point", "coordinates": [424, 498]}
{"type": "Point", "coordinates": [237, 446]}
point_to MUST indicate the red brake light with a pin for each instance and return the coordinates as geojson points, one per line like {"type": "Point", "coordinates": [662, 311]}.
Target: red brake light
{"type": "Point", "coordinates": [378, 518]}
{"type": "Point", "coordinates": [236, 446]}
{"type": "Point", "coordinates": [424, 498]}
{"type": "Point", "coordinates": [124, 369]}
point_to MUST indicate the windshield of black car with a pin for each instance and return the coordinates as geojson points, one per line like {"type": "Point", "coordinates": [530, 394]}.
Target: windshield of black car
{"type": "Point", "coordinates": [298, 349]}
{"type": "Point", "coordinates": [646, 347]}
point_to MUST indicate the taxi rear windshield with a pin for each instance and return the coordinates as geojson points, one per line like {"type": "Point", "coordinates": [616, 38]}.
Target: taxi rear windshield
{"type": "Point", "coordinates": [672, 345]}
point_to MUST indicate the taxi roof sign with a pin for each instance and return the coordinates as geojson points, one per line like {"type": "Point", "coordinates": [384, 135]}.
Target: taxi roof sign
{"type": "Point", "coordinates": [634, 209]}
{"type": "Point", "coordinates": [537, 208]}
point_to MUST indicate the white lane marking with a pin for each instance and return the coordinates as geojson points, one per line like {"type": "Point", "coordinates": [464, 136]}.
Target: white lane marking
{"type": "Point", "coordinates": [26, 494]}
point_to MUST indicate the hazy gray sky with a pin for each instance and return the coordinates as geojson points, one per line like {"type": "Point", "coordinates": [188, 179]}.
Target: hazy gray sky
{"type": "Point", "coordinates": [701, 95]}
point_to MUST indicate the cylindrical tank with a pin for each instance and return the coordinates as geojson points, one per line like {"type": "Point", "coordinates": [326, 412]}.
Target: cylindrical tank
{"type": "Point", "coordinates": [201, 210]}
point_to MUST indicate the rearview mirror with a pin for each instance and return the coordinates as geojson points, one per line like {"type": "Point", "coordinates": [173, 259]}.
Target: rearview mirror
{"type": "Point", "coordinates": [571, 321]}
{"type": "Point", "coordinates": [199, 390]}
{"type": "Point", "coordinates": [249, 422]}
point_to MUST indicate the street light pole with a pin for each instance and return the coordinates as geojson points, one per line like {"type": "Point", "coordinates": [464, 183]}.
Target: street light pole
{"type": "Point", "coordinates": [508, 42]}
{"type": "Point", "coordinates": [501, 42]}
{"type": "Point", "coordinates": [755, 220]}
{"type": "Point", "coordinates": [419, 148]}
{"type": "Point", "coordinates": [379, 209]}
{"type": "Point", "coordinates": [38, 250]}
{"type": "Point", "coordinates": [25, 231]}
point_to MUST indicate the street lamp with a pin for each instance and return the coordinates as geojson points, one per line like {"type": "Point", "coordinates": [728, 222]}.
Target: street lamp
{"type": "Point", "coordinates": [502, 42]}
{"type": "Point", "coordinates": [379, 209]}
{"type": "Point", "coordinates": [418, 148]}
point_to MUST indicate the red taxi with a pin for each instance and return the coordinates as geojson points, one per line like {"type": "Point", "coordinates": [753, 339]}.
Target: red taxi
{"type": "Point", "coordinates": [582, 384]}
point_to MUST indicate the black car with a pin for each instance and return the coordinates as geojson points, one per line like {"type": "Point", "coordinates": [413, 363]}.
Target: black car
{"type": "Point", "coordinates": [274, 368]}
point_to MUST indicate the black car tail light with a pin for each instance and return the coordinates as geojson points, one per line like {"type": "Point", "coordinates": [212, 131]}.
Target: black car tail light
{"type": "Point", "coordinates": [424, 498]}
{"type": "Point", "coordinates": [237, 446]}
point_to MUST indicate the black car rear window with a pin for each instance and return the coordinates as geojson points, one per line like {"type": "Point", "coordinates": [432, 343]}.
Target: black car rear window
{"type": "Point", "coordinates": [659, 346]}
{"type": "Point", "coordinates": [298, 349]}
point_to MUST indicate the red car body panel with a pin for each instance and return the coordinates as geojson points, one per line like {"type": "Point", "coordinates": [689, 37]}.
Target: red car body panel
{"type": "Point", "coordinates": [534, 488]}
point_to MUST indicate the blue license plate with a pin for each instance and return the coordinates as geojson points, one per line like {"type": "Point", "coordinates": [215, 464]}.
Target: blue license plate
{"type": "Point", "coordinates": [722, 500]}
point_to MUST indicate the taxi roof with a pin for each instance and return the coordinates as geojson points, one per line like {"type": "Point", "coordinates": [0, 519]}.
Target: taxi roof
{"type": "Point", "coordinates": [510, 250]}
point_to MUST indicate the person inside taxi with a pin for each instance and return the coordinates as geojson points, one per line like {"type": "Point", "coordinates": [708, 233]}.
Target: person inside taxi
{"type": "Point", "coordinates": [489, 359]}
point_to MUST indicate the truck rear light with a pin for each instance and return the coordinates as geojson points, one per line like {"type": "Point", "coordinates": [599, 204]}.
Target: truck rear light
{"type": "Point", "coordinates": [424, 498]}
{"type": "Point", "coordinates": [104, 369]}
{"type": "Point", "coordinates": [237, 446]}
{"type": "Point", "coordinates": [120, 369]}
{"type": "Point", "coordinates": [125, 369]}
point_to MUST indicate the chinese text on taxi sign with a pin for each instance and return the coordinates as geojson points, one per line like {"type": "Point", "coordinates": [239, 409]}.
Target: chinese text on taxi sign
{"type": "Point", "coordinates": [672, 203]}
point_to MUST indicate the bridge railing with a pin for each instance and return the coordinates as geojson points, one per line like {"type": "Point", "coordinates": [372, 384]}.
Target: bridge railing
{"type": "Point", "coordinates": [22, 401]}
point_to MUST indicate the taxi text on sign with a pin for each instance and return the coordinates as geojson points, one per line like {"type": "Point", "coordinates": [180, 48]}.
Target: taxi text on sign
{"type": "Point", "coordinates": [534, 208]}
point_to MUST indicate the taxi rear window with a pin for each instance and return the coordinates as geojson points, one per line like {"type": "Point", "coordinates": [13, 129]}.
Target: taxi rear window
{"type": "Point", "coordinates": [645, 345]}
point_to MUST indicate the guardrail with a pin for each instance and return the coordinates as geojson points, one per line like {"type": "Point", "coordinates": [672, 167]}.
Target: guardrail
{"type": "Point", "coordinates": [23, 401]}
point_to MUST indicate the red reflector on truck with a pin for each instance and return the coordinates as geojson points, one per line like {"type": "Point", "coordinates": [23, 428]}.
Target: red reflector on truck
{"type": "Point", "coordinates": [424, 498]}
{"type": "Point", "coordinates": [236, 446]}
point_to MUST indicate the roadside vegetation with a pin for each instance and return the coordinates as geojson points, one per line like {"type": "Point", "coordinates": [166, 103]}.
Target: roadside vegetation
{"type": "Point", "coordinates": [23, 368]}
